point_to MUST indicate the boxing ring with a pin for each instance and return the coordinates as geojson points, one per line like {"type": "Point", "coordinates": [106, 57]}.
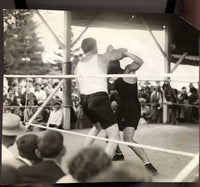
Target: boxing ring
{"type": "Point", "coordinates": [186, 172]}
{"type": "Point", "coordinates": [191, 167]}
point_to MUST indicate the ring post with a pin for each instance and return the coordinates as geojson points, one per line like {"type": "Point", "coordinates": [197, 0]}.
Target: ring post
{"type": "Point", "coordinates": [67, 71]}
{"type": "Point", "coordinates": [166, 70]}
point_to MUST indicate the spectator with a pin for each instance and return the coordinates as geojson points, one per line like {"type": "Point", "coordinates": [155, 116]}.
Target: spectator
{"type": "Point", "coordinates": [46, 87]}
{"type": "Point", "coordinates": [156, 104]}
{"type": "Point", "coordinates": [51, 149]}
{"type": "Point", "coordinates": [145, 111]}
{"type": "Point", "coordinates": [27, 83]}
{"type": "Point", "coordinates": [9, 175]}
{"type": "Point", "coordinates": [7, 108]}
{"type": "Point", "coordinates": [184, 109]}
{"type": "Point", "coordinates": [123, 172]}
{"type": "Point", "coordinates": [56, 116]}
{"type": "Point", "coordinates": [10, 130]}
{"type": "Point", "coordinates": [27, 146]}
{"type": "Point", "coordinates": [39, 93]}
{"type": "Point", "coordinates": [15, 89]}
{"type": "Point", "coordinates": [30, 109]}
{"type": "Point", "coordinates": [142, 93]}
{"type": "Point", "coordinates": [147, 90]}
{"type": "Point", "coordinates": [194, 100]}
{"type": "Point", "coordinates": [88, 163]}
{"type": "Point", "coordinates": [12, 97]}
{"type": "Point", "coordinates": [59, 93]}
{"type": "Point", "coordinates": [27, 95]}
{"type": "Point", "coordinates": [172, 99]}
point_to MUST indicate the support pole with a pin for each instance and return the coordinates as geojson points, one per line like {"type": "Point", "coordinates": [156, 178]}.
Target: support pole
{"type": "Point", "coordinates": [178, 62]}
{"type": "Point", "coordinates": [67, 71]}
{"type": "Point", "coordinates": [154, 38]}
{"type": "Point", "coordinates": [44, 104]}
{"type": "Point", "coordinates": [167, 68]}
{"type": "Point", "coordinates": [51, 31]}
{"type": "Point", "coordinates": [84, 30]}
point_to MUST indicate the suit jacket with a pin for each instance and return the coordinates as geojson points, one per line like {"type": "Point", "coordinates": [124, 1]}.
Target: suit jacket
{"type": "Point", "coordinates": [44, 172]}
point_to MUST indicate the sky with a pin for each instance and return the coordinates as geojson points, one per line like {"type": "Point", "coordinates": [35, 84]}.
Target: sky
{"type": "Point", "coordinates": [138, 42]}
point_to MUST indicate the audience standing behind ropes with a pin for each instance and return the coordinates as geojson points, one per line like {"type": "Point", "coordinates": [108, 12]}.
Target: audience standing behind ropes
{"type": "Point", "coordinates": [23, 102]}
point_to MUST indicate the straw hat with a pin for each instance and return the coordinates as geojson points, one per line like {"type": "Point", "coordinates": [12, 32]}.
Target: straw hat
{"type": "Point", "coordinates": [12, 125]}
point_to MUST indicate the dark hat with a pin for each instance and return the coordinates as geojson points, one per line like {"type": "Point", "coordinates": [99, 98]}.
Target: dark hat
{"type": "Point", "coordinates": [27, 145]}
{"type": "Point", "coordinates": [57, 102]}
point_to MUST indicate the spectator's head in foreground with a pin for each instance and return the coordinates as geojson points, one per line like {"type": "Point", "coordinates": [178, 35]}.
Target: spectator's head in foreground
{"type": "Point", "coordinates": [89, 45]}
{"type": "Point", "coordinates": [123, 172]}
{"type": "Point", "coordinates": [88, 163]}
{"type": "Point", "coordinates": [12, 127]}
{"type": "Point", "coordinates": [27, 146]}
{"type": "Point", "coordinates": [9, 175]}
{"type": "Point", "coordinates": [50, 146]}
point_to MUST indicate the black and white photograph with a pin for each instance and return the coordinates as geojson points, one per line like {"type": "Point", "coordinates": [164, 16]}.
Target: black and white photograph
{"type": "Point", "coordinates": [99, 96]}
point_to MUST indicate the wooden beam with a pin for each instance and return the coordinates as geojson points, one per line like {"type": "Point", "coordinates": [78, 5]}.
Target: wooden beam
{"type": "Point", "coordinates": [84, 30]}
{"type": "Point", "coordinates": [178, 62]}
{"type": "Point", "coordinates": [50, 29]}
{"type": "Point", "coordinates": [154, 38]}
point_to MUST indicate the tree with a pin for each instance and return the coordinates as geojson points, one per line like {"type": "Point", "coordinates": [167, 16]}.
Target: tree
{"type": "Point", "coordinates": [22, 48]}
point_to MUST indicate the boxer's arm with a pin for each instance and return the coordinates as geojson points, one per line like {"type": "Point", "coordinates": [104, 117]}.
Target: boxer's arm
{"type": "Point", "coordinates": [137, 61]}
{"type": "Point", "coordinates": [115, 54]}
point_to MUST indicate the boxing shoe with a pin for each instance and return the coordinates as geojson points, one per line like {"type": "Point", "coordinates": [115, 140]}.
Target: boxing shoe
{"type": "Point", "coordinates": [151, 169]}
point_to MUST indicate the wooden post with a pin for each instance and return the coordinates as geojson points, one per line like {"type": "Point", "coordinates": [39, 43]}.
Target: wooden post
{"type": "Point", "coordinates": [167, 68]}
{"type": "Point", "coordinates": [67, 71]}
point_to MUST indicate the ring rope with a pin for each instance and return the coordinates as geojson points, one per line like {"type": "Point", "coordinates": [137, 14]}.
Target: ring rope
{"type": "Point", "coordinates": [95, 76]}
{"type": "Point", "coordinates": [49, 106]}
{"type": "Point", "coordinates": [140, 77]}
{"type": "Point", "coordinates": [117, 141]}
{"type": "Point", "coordinates": [187, 170]}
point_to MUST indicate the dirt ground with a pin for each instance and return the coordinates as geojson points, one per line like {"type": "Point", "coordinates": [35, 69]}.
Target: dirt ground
{"type": "Point", "coordinates": [182, 137]}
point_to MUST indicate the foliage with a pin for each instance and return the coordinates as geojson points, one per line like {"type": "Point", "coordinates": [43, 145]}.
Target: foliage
{"type": "Point", "coordinates": [22, 48]}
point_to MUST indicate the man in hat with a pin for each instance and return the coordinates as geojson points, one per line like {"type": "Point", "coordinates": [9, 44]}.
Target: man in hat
{"type": "Point", "coordinates": [56, 116]}
{"type": "Point", "coordinates": [11, 128]}
{"type": "Point", "coordinates": [39, 93]}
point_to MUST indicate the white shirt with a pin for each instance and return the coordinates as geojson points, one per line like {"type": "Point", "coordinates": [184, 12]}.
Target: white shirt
{"type": "Point", "coordinates": [92, 67]}
{"type": "Point", "coordinates": [40, 95]}
{"type": "Point", "coordinates": [56, 117]}
{"type": "Point", "coordinates": [67, 179]}
{"type": "Point", "coordinates": [7, 156]}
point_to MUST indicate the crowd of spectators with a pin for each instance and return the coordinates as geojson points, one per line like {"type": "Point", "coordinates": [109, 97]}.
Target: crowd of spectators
{"type": "Point", "coordinates": [40, 159]}
{"type": "Point", "coordinates": [183, 105]}
{"type": "Point", "coordinates": [24, 97]}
